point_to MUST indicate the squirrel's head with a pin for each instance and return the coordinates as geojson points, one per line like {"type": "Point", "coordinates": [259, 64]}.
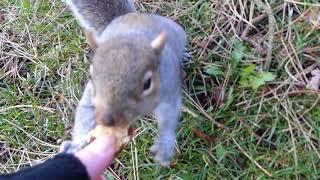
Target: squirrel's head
{"type": "Point", "coordinates": [125, 77]}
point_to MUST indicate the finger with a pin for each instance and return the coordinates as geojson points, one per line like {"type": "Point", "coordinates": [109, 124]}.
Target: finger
{"type": "Point", "coordinates": [98, 155]}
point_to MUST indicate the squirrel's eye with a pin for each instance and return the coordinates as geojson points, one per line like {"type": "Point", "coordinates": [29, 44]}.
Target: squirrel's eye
{"type": "Point", "coordinates": [147, 84]}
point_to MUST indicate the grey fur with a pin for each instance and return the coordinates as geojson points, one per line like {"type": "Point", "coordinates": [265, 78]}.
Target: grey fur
{"type": "Point", "coordinates": [84, 122]}
{"type": "Point", "coordinates": [95, 15]}
{"type": "Point", "coordinates": [167, 111]}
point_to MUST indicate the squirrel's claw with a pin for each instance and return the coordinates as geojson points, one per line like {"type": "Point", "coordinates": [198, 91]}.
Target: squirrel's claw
{"type": "Point", "coordinates": [186, 58]}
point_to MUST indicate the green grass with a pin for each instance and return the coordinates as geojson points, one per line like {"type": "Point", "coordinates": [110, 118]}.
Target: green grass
{"type": "Point", "coordinates": [264, 132]}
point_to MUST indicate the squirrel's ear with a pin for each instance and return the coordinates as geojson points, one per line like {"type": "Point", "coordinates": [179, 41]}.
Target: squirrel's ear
{"type": "Point", "coordinates": [91, 40]}
{"type": "Point", "coordinates": [159, 42]}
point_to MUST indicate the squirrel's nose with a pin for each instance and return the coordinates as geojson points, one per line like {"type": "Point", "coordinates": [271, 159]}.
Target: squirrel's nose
{"type": "Point", "coordinates": [109, 118]}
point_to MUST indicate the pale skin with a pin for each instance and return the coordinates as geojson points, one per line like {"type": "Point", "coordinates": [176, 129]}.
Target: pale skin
{"type": "Point", "coordinates": [97, 156]}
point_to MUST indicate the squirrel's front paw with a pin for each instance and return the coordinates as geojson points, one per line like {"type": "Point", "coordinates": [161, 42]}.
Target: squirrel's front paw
{"type": "Point", "coordinates": [65, 145]}
{"type": "Point", "coordinates": [186, 58]}
{"type": "Point", "coordinates": [162, 153]}
{"type": "Point", "coordinates": [69, 147]}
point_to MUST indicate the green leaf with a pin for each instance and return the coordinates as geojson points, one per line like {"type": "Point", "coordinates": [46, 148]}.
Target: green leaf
{"type": "Point", "coordinates": [220, 152]}
{"type": "Point", "coordinates": [244, 82]}
{"type": "Point", "coordinates": [214, 71]}
{"type": "Point", "coordinates": [267, 76]}
{"type": "Point", "coordinates": [239, 51]}
{"type": "Point", "coordinates": [249, 77]}
{"type": "Point", "coordinates": [248, 70]}
{"type": "Point", "coordinates": [257, 82]}
{"type": "Point", "coordinates": [26, 5]}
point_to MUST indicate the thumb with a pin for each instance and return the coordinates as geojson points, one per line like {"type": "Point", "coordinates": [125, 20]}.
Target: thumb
{"type": "Point", "coordinates": [97, 155]}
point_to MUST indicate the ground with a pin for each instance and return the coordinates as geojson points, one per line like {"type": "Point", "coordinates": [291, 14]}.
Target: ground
{"type": "Point", "coordinates": [241, 117]}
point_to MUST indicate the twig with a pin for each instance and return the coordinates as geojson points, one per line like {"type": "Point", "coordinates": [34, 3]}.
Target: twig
{"type": "Point", "coordinates": [251, 159]}
{"type": "Point", "coordinates": [31, 136]}
{"type": "Point", "coordinates": [222, 126]}
{"type": "Point", "coordinates": [5, 149]}
{"type": "Point", "coordinates": [26, 106]}
{"type": "Point", "coordinates": [292, 93]}
{"type": "Point", "coordinates": [306, 71]}
{"type": "Point", "coordinates": [249, 27]}
{"type": "Point", "coordinates": [302, 3]}
{"type": "Point", "coordinates": [271, 31]}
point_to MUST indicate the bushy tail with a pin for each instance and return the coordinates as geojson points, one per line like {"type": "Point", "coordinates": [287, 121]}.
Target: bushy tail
{"type": "Point", "coordinates": [95, 15]}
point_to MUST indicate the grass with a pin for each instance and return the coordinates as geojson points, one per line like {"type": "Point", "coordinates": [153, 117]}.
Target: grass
{"type": "Point", "coordinates": [269, 131]}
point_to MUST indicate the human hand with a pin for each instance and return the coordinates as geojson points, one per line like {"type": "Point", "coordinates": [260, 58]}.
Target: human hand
{"type": "Point", "coordinates": [97, 155]}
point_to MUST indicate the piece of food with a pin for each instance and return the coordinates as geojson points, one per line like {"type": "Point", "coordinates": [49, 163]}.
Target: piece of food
{"type": "Point", "coordinates": [122, 134]}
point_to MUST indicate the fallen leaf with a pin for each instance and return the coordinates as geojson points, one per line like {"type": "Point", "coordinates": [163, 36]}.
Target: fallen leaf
{"type": "Point", "coordinates": [313, 16]}
{"type": "Point", "coordinates": [207, 138]}
{"type": "Point", "coordinates": [4, 152]}
{"type": "Point", "coordinates": [219, 96]}
{"type": "Point", "coordinates": [173, 164]}
{"type": "Point", "coordinates": [1, 17]}
{"type": "Point", "coordinates": [314, 82]}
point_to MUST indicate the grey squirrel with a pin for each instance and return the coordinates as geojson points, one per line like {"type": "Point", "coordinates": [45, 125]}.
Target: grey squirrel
{"type": "Point", "coordinates": [135, 70]}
